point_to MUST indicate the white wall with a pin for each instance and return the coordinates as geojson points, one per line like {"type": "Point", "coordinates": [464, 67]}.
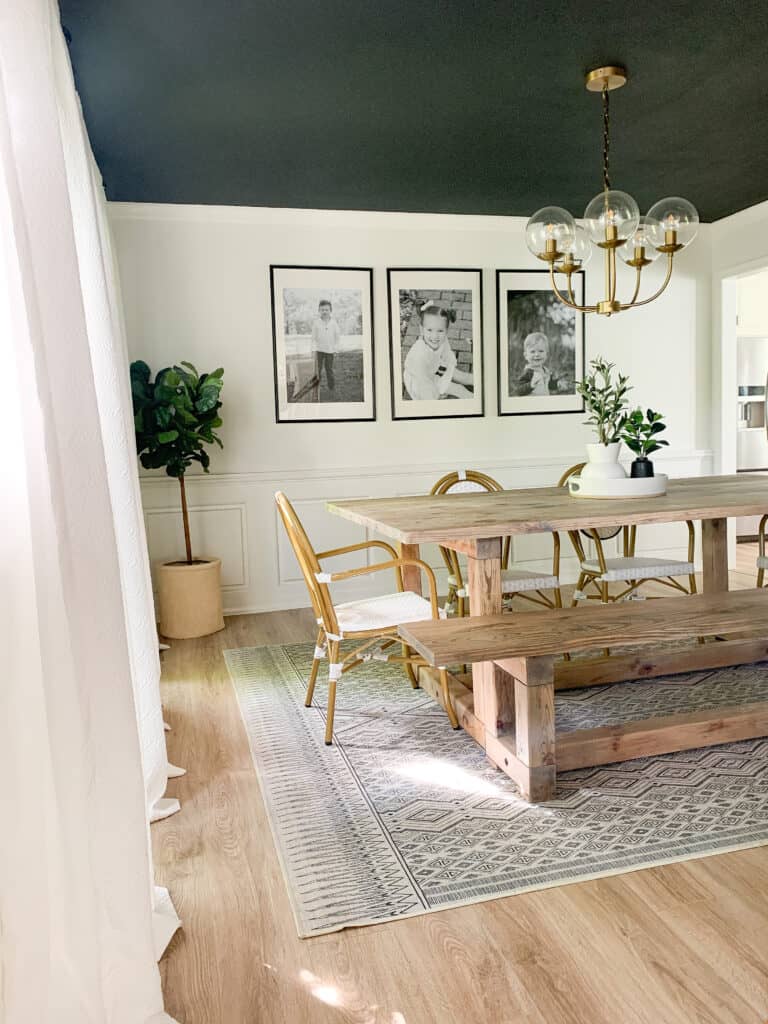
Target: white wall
{"type": "Point", "coordinates": [195, 284]}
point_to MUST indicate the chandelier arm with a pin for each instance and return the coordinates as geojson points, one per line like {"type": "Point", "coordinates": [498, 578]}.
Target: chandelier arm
{"type": "Point", "coordinates": [562, 298]}
{"type": "Point", "coordinates": [571, 296]}
{"type": "Point", "coordinates": [633, 300]}
{"type": "Point", "coordinates": [612, 258]}
{"type": "Point", "coordinates": [644, 302]}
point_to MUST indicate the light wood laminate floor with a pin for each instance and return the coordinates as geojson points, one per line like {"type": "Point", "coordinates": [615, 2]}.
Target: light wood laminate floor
{"type": "Point", "coordinates": [681, 944]}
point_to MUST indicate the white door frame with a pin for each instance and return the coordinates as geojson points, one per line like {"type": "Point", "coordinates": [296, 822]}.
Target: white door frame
{"type": "Point", "coordinates": [725, 307]}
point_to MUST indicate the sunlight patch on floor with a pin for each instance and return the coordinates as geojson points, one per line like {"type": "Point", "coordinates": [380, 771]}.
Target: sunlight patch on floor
{"type": "Point", "coordinates": [442, 773]}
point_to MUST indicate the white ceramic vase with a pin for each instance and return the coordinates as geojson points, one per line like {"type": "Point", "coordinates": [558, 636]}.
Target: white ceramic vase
{"type": "Point", "coordinates": [603, 462]}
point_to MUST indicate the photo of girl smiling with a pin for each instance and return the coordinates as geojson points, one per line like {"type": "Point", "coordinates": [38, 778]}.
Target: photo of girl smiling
{"type": "Point", "coordinates": [430, 369]}
{"type": "Point", "coordinates": [435, 342]}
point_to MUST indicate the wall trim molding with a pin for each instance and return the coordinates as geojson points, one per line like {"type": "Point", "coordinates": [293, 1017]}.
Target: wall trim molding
{"type": "Point", "coordinates": [404, 469]}
{"type": "Point", "coordinates": [357, 219]}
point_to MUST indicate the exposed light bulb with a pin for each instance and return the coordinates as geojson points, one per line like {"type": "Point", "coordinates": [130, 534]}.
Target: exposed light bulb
{"type": "Point", "coordinates": [674, 215]}
{"type": "Point", "coordinates": [548, 230]}
{"type": "Point", "coordinates": [614, 212]}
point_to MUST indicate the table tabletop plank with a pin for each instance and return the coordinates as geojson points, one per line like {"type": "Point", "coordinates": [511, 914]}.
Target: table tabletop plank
{"type": "Point", "coordinates": [534, 634]}
{"type": "Point", "coordinates": [426, 518]}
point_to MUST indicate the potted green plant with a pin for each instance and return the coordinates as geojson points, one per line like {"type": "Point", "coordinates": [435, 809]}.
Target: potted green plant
{"type": "Point", "coordinates": [174, 418]}
{"type": "Point", "coordinates": [605, 399]}
{"type": "Point", "coordinates": [640, 433]}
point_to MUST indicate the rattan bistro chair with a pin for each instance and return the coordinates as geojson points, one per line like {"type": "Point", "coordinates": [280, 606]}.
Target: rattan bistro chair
{"type": "Point", "coordinates": [762, 559]}
{"type": "Point", "coordinates": [373, 620]}
{"type": "Point", "coordinates": [599, 572]}
{"type": "Point", "coordinates": [530, 586]}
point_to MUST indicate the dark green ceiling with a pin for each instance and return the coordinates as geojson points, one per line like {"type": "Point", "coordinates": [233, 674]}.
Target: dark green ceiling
{"type": "Point", "coordinates": [452, 106]}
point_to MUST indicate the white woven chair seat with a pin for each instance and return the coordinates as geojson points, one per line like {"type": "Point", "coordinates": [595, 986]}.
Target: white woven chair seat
{"type": "Point", "coordinates": [762, 561]}
{"type": "Point", "coordinates": [637, 568]}
{"type": "Point", "coordinates": [466, 487]}
{"type": "Point", "coordinates": [515, 581]}
{"type": "Point", "coordinates": [383, 612]}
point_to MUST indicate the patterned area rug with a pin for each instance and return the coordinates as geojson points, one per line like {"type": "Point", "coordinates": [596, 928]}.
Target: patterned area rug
{"type": "Point", "coordinates": [403, 816]}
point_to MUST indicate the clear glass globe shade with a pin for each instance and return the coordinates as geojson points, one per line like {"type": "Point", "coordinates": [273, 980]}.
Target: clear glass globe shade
{"type": "Point", "coordinates": [552, 223]}
{"type": "Point", "coordinates": [611, 209]}
{"type": "Point", "coordinates": [675, 214]}
{"type": "Point", "coordinates": [579, 248]}
{"type": "Point", "coordinates": [644, 235]}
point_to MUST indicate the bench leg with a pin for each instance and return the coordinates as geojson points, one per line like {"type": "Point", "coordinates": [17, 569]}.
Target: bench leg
{"type": "Point", "coordinates": [535, 730]}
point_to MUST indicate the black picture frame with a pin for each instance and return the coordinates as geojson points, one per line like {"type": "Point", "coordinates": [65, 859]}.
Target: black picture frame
{"type": "Point", "coordinates": [296, 369]}
{"type": "Point", "coordinates": [442, 285]}
{"type": "Point", "coordinates": [568, 402]}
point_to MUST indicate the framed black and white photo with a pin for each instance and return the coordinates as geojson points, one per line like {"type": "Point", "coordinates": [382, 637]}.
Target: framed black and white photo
{"type": "Point", "coordinates": [540, 344]}
{"type": "Point", "coordinates": [436, 343]}
{"type": "Point", "coordinates": [322, 336]}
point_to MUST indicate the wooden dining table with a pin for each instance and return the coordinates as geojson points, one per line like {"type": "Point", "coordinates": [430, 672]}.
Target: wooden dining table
{"type": "Point", "coordinates": [476, 525]}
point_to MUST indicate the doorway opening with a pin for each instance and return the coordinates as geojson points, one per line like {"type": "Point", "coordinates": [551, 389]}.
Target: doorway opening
{"type": "Point", "coordinates": [744, 379]}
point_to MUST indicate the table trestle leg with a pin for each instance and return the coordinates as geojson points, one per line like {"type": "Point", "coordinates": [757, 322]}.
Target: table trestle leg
{"type": "Point", "coordinates": [528, 755]}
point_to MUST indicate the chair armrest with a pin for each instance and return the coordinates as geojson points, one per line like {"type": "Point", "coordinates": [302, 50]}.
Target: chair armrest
{"type": "Point", "coordinates": [358, 547]}
{"type": "Point", "coordinates": [396, 564]}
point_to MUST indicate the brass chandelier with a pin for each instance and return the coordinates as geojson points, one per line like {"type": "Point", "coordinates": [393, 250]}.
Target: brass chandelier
{"type": "Point", "coordinates": [613, 223]}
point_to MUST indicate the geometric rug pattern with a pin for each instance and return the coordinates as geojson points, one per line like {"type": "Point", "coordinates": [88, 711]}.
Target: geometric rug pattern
{"type": "Point", "coordinates": [404, 816]}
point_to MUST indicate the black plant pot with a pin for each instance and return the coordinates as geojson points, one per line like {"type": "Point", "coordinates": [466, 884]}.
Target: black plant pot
{"type": "Point", "coordinates": [641, 467]}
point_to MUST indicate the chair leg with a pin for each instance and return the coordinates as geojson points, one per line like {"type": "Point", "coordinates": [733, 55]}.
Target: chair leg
{"type": "Point", "coordinates": [461, 607]}
{"type": "Point", "coordinates": [319, 654]}
{"type": "Point", "coordinates": [605, 598]}
{"type": "Point", "coordinates": [447, 698]}
{"type": "Point", "coordinates": [760, 577]}
{"type": "Point", "coordinates": [579, 585]}
{"type": "Point", "coordinates": [334, 672]}
{"type": "Point", "coordinates": [412, 675]}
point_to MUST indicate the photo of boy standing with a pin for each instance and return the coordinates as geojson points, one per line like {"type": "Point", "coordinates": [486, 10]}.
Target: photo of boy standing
{"type": "Point", "coordinates": [325, 342]}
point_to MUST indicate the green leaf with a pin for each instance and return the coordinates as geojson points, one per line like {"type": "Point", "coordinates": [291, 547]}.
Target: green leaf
{"type": "Point", "coordinates": [140, 371]}
{"type": "Point", "coordinates": [209, 398]}
{"type": "Point", "coordinates": [165, 414]}
{"type": "Point", "coordinates": [167, 436]}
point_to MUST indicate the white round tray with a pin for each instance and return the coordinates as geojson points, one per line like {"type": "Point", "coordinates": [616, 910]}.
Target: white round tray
{"type": "Point", "coordinates": [624, 487]}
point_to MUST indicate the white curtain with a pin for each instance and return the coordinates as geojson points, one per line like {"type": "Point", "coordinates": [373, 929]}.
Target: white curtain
{"type": "Point", "coordinates": [109, 358]}
{"type": "Point", "coordinates": [82, 750]}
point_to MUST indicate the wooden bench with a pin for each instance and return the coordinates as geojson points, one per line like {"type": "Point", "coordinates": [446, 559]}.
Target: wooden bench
{"type": "Point", "coordinates": [524, 647]}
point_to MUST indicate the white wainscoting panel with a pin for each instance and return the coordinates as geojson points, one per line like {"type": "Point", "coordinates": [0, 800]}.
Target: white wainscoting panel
{"type": "Point", "coordinates": [216, 530]}
{"type": "Point", "coordinates": [234, 516]}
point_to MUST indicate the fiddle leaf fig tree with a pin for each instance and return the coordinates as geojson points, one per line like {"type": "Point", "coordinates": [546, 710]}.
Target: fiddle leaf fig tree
{"type": "Point", "coordinates": [175, 417]}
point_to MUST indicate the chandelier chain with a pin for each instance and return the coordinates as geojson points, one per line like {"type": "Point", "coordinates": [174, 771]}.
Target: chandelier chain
{"type": "Point", "coordinates": [606, 137]}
